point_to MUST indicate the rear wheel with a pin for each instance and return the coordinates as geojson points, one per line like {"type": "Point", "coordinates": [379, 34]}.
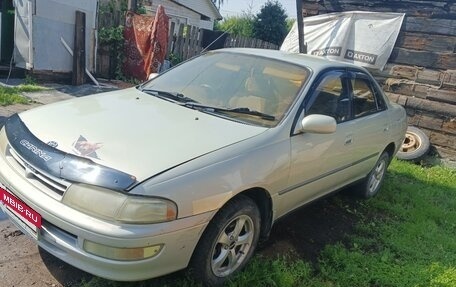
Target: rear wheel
{"type": "Point", "coordinates": [228, 242]}
{"type": "Point", "coordinates": [370, 186]}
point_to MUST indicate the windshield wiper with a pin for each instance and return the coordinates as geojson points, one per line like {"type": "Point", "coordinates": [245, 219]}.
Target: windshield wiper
{"type": "Point", "coordinates": [177, 97]}
{"type": "Point", "coordinates": [242, 110]}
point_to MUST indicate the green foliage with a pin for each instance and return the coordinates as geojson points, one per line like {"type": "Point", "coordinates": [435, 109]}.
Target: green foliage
{"type": "Point", "coordinates": [174, 59]}
{"type": "Point", "coordinates": [29, 80]}
{"type": "Point", "coordinates": [290, 22]}
{"type": "Point", "coordinates": [408, 238]}
{"type": "Point", "coordinates": [270, 23]}
{"type": "Point", "coordinates": [113, 36]}
{"type": "Point", "coordinates": [281, 272]}
{"type": "Point", "coordinates": [112, 6]}
{"type": "Point", "coordinates": [141, 9]}
{"type": "Point", "coordinates": [237, 25]}
{"type": "Point", "coordinates": [28, 88]}
{"type": "Point", "coordinates": [12, 95]}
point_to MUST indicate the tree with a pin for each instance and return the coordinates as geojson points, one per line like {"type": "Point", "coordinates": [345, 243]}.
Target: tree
{"type": "Point", "coordinates": [290, 22]}
{"type": "Point", "coordinates": [270, 23]}
{"type": "Point", "coordinates": [217, 3]}
{"type": "Point", "coordinates": [237, 25]}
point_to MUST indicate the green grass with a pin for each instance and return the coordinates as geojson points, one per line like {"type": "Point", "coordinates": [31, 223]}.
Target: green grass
{"type": "Point", "coordinates": [404, 237]}
{"type": "Point", "coordinates": [12, 95]}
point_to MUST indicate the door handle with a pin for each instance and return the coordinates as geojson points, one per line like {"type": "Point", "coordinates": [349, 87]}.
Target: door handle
{"type": "Point", "coordinates": [348, 140]}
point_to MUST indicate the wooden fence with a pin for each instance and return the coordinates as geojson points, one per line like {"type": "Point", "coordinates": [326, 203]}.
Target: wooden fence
{"type": "Point", "coordinates": [184, 42]}
{"type": "Point", "coordinates": [244, 42]}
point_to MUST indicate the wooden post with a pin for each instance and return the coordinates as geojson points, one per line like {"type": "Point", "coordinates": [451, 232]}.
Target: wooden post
{"type": "Point", "coordinates": [132, 5]}
{"type": "Point", "coordinates": [199, 39]}
{"type": "Point", "coordinates": [170, 40]}
{"type": "Point", "coordinates": [180, 42]}
{"type": "Point", "coordinates": [302, 45]}
{"type": "Point", "coordinates": [187, 40]}
{"type": "Point", "coordinates": [79, 49]}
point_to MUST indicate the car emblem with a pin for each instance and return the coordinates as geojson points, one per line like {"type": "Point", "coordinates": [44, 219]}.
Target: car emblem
{"type": "Point", "coordinates": [53, 144]}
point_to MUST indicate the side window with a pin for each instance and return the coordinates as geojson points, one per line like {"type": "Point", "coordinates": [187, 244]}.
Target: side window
{"type": "Point", "coordinates": [330, 98]}
{"type": "Point", "coordinates": [364, 100]}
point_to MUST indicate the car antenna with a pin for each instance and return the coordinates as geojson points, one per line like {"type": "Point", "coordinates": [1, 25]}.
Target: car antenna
{"type": "Point", "coordinates": [226, 32]}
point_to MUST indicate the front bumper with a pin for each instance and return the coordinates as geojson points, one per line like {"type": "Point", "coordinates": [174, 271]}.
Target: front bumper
{"type": "Point", "coordinates": [64, 231]}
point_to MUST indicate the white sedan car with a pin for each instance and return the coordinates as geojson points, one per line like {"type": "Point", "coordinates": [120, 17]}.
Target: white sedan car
{"type": "Point", "coordinates": [193, 167]}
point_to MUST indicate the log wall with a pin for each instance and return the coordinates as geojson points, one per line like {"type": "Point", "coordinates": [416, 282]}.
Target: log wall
{"type": "Point", "coordinates": [421, 71]}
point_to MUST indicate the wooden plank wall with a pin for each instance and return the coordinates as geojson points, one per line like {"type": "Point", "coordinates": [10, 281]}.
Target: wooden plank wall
{"type": "Point", "coordinates": [421, 71]}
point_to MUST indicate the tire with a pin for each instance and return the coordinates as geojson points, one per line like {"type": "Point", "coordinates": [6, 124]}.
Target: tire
{"type": "Point", "coordinates": [416, 145]}
{"type": "Point", "coordinates": [228, 242]}
{"type": "Point", "coordinates": [371, 185]}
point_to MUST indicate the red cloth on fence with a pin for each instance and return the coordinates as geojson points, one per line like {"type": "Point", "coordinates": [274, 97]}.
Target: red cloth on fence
{"type": "Point", "coordinates": [146, 42]}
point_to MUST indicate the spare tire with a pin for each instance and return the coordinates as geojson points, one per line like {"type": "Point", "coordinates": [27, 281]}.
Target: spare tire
{"type": "Point", "coordinates": [416, 145]}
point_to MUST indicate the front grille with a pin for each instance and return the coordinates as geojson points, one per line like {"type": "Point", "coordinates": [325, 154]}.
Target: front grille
{"type": "Point", "coordinates": [56, 187]}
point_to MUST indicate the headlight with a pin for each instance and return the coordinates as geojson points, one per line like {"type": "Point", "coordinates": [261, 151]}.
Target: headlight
{"type": "Point", "coordinates": [111, 205]}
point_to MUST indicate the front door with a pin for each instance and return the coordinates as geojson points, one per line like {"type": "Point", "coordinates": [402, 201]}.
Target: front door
{"type": "Point", "coordinates": [319, 161]}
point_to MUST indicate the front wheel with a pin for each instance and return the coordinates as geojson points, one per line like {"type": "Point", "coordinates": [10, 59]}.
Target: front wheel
{"type": "Point", "coordinates": [228, 242]}
{"type": "Point", "coordinates": [370, 186]}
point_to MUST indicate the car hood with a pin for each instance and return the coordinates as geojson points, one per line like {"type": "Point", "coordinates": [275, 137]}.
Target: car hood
{"type": "Point", "coordinates": [133, 132]}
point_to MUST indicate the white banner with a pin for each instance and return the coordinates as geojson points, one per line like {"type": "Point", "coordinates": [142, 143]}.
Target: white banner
{"type": "Point", "coordinates": [362, 38]}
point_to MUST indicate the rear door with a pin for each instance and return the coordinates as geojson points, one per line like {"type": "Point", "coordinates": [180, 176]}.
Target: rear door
{"type": "Point", "coordinates": [369, 121]}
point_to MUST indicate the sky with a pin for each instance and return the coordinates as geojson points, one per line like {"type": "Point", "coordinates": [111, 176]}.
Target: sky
{"type": "Point", "coordinates": [237, 7]}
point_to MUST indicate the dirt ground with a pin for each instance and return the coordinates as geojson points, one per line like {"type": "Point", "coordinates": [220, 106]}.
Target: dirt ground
{"type": "Point", "coordinates": [301, 234]}
{"type": "Point", "coordinates": [22, 263]}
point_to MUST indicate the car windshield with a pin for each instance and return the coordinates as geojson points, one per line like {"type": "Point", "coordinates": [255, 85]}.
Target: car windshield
{"type": "Point", "coordinates": [242, 87]}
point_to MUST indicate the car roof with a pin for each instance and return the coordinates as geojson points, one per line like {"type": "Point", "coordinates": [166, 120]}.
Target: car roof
{"type": "Point", "coordinates": [315, 63]}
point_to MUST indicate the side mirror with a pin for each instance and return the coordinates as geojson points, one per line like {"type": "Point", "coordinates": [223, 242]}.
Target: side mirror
{"type": "Point", "coordinates": [318, 124]}
{"type": "Point", "coordinates": [152, 75]}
